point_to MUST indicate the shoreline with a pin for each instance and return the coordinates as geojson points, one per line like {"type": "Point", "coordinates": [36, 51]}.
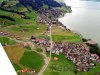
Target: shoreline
{"type": "Point", "coordinates": [73, 30]}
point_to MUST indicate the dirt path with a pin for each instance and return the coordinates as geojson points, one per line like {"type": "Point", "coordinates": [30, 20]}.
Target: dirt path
{"type": "Point", "coordinates": [46, 59]}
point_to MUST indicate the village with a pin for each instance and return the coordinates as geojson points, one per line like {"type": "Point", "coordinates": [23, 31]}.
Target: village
{"type": "Point", "coordinates": [78, 53]}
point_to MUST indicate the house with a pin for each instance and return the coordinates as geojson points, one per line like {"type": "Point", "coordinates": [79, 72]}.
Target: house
{"type": "Point", "coordinates": [55, 58]}
{"type": "Point", "coordinates": [24, 70]}
{"type": "Point", "coordinates": [23, 44]}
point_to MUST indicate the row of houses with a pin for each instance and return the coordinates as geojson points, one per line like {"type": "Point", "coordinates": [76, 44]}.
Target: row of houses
{"type": "Point", "coordinates": [9, 35]}
{"type": "Point", "coordinates": [25, 71]}
{"type": "Point", "coordinates": [40, 41]}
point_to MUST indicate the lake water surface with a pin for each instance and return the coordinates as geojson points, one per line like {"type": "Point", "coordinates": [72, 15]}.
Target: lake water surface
{"type": "Point", "coordinates": [85, 18]}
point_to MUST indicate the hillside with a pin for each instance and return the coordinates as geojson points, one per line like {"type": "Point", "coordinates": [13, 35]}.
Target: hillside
{"type": "Point", "coordinates": [14, 12]}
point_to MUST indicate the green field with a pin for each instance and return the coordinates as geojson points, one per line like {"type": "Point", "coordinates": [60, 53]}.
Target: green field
{"type": "Point", "coordinates": [74, 38]}
{"type": "Point", "coordinates": [6, 40]}
{"type": "Point", "coordinates": [32, 60]}
{"type": "Point", "coordinates": [64, 66]}
{"type": "Point", "coordinates": [17, 18]}
{"type": "Point", "coordinates": [59, 34]}
{"type": "Point", "coordinates": [31, 30]}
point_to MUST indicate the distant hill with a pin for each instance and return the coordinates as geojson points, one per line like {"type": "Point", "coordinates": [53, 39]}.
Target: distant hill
{"type": "Point", "coordinates": [37, 4]}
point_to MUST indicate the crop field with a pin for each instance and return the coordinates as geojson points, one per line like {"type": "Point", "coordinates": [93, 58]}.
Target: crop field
{"type": "Point", "coordinates": [32, 60]}
{"type": "Point", "coordinates": [59, 34]}
{"type": "Point", "coordinates": [62, 66]}
{"type": "Point", "coordinates": [6, 40]}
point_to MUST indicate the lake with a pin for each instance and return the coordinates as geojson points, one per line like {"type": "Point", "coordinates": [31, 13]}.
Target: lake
{"type": "Point", "coordinates": [85, 18]}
